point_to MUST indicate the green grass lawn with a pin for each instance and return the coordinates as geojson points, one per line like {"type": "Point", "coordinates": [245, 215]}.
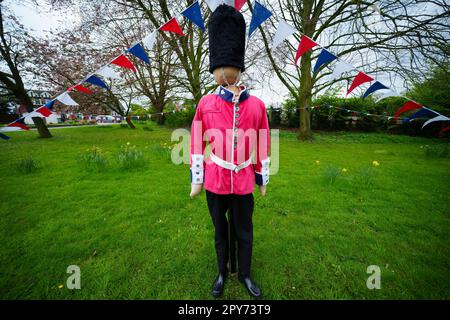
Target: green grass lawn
{"type": "Point", "coordinates": [136, 234]}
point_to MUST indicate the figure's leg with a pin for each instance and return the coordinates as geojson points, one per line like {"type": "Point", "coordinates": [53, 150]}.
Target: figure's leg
{"type": "Point", "coordinates": [218, 206]}
{"type": "Point", "coordinates": [241, 218]}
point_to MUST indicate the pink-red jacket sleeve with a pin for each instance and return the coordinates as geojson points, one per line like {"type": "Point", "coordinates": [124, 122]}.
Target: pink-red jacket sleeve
{"type": "Point", "coordinates": [262, 151]}
{"type": "Point", "coordinates": [197, 148]}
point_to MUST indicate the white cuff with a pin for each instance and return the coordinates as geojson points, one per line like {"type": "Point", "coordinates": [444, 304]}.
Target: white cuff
{"type": "Point", "coordinates": [197, 174]}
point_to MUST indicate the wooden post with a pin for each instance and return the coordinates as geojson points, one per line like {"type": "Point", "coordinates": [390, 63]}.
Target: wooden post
{"type": "Point", "coordinates": [231, 245]}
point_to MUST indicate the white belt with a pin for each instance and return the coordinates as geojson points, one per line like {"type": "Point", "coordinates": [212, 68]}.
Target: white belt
{"type": "Point", "coordinates": [228, 165]}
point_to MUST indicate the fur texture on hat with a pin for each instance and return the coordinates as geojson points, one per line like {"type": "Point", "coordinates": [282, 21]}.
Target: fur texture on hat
{"type": "Point", "coordinates": [227, 33]}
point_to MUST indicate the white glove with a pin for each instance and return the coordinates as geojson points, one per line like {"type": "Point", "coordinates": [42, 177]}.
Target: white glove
{"type": "Point", "coordinates": [262, 190]}
{"type": "Point", "coordinates": [195, 190]}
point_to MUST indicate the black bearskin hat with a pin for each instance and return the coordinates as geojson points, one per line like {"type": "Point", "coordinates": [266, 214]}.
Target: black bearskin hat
{"type": "Point", "coordinates": [226, 38]}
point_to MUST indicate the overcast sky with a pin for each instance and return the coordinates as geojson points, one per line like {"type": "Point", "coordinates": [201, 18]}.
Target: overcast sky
{"type": "Point", "coordinates": [43, 19]}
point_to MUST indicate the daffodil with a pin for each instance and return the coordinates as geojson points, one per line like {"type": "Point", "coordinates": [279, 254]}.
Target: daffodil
{"type": "Point", "coordinates": [375, 163]}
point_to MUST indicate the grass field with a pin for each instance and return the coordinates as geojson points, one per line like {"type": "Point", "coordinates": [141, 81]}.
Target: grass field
{"type": "Point", "coordinates": [136, 234]}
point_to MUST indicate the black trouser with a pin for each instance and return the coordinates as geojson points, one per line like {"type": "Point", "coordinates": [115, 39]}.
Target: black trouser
{"type": "Point", "coordinates": [241, 211]}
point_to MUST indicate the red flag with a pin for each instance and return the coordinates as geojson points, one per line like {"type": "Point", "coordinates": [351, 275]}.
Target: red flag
{"type": "Point", "coordinates": [80, 88]}
{"type": "Point", "coordinates": [238, 4]}
{"type": "Point", "coordinates": [410, 105]}
{"type": "Point", "coordinates": [172, 26]}
{"type": "Point", "coordinates": [359, 80]}
{"type": "Point", "coordinates": [304, 46]}
{"type": "Point", "coordinates": [19, 124]}
{"type": "Point", "coordinates": [124, 62]}
{"type": "Point", "coordinates": [44, 111]}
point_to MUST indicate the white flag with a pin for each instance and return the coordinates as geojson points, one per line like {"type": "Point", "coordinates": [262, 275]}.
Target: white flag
{"type": "Point", "coordinates": [231, 3]}
{"type": "Point", "coordinates": [108, 72]}
{"type": "Point", "coordinates": [390, 93]}
{"type": "Point", "coordinates": [149, 41]}
{"type": "Point", "coordinates": [341, 67]}
{"type": "Point", "coordinates": [438, 118]}
{"type": "Point", "coordinates": [9, 129]}
{"type": "Point", "coordinates": [66, 99]}
{"type": "Point", "coordinates": [284, 30]}
{"type": "Point", "coordinates": [213, 4]}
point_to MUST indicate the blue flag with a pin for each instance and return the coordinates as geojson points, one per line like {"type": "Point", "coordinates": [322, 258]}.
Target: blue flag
{"type": "Point", "coordinates": [139, 52]}
{"type": "Point", "coordinates": [96, 81]}
{"type": "Point", "coordinates": [194, 14]}
{"type": "Point", "coordinates": [324, 57]}
{"type": "Point", "coordinates": [375, 87]}
{"type": "Point", "coordinates": [424, 112]}
{"type": "Point", "coordinates": [260, 14]}
{"type": "Point", "coordinates": [50, 104]}
{"type": "Point", "coordinates": [4, 137]}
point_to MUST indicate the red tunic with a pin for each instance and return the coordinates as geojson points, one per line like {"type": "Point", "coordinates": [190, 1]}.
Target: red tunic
{"type": "Point", "coordinates": [235, 131]}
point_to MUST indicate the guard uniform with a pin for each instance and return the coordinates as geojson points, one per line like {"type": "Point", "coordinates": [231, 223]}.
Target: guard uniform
{"type": "Point", "coordinates": [239, 135]}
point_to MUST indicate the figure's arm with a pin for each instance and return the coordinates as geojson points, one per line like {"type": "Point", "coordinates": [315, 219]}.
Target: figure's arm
{"type": "Point", "coordinates": [196, 154]}
{"type": "Point", "coordinates": [262, 154]}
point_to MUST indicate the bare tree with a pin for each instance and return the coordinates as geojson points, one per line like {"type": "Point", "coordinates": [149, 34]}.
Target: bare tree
{"type": "Point", "coordinates": [12, 42]}
{"type": "Point", "coordinates": [395, 36]}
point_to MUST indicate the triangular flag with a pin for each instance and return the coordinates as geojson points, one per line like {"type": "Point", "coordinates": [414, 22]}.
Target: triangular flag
{"type": "Point", "coordinates": [390, 93]}
{"type": "Point", "coordinates": [50, 104]}
{"type": "Point", "coordinates": [172, 26]}
{"type": "Point", "coordinates": [194, 14]}
{"type": "Point", "coordinates": [44, 111]}
{"type": "Point", "coordinates": [96, 81]}
{"type": "Point", "coordinates": [410, 105]}
{"type": "Point", "coordinates": [438, 118]}
{"type": "Point", "coordinates": [375, 87]}
{"type": "Point", "coordinates": [124, 62]}
{"type": "Point", "coordinates": [66, 99]}
{"type": "Point", "coordinates": [324, 57]}
{"type": "Point", "coordinates": [213, 4]}
{"type": "Point", "coordinates": [238, 4]}
{"type": "Point", "coordinates": [260, 14]}
{"type": "Point", "coordinates": [360, 78]}
{"type": "Point", "coordinates": [149, 41]}
{"type": "Point", "coordinates": [340, 68]}
{"type": "Point", "coordinates": [284, 31]}
{"type": "Point", "coordinates": [4, 137]}
{"type": "Point", "coordinates": [80, 88]}
{"type": "Point", "coordinates": [304, 46]}
{"type": "Point", "coordinates": [424, 112]}
{"type": "Point", "coordinates": [139, 52]}
{"type": "Point", "coordinates": [20, 124]}
{"type": "Point", "coordinates": [107, 72]}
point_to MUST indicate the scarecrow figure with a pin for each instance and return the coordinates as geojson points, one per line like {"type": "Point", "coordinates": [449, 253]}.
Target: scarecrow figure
{"type": "Point", "coordinates": [236, 126]}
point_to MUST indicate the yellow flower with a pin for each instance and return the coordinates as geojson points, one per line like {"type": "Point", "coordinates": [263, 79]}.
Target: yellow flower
{"type": "Point", "coordinates": [128, 143]}
{"type": "Point", "coordinates": [60, 286]}
{"type": "Point", "coordinates": [375, 163]}
{"type": "Point", "coordinates": [317, 162]}
{"type": "Point", "coordinates": [344, 170]}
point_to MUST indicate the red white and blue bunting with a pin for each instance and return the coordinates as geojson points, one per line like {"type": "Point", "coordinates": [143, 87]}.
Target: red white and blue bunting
{"type": "Point", "coordinates": [260, 15]}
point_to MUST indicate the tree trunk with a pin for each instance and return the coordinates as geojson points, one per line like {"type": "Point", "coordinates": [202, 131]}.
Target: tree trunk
{"type": "Point", "coordinates": [41, 127]}
{"type": "Point", "coordinates": [130, 123]}
{"type": "Point", "coordinates": [305, 98]}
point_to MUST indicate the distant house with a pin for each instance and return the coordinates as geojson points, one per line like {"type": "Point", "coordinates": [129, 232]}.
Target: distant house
{"type": "Point", "coordinates": [40, 97]}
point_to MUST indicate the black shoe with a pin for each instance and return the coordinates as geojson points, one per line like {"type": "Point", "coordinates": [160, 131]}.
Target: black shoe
{"type": "Point", "coordinates": [218, 285]}
{"type": "Point", "coordinates": [251, 287]}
